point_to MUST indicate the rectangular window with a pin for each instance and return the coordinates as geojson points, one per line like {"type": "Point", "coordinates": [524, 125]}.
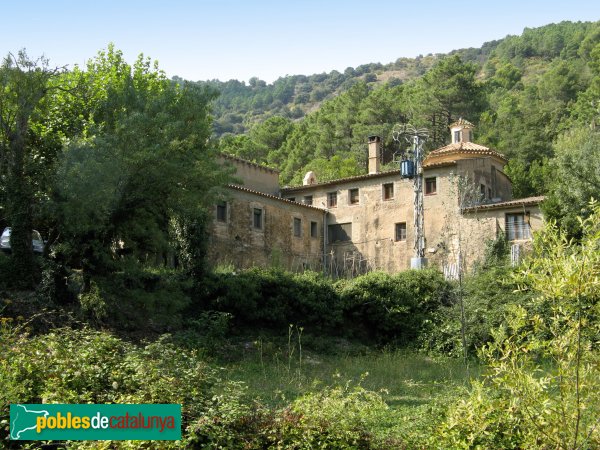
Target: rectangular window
{"type": "Point", "coordinates": [340, 232]}
{"type": "Point", "coordinates": [430, 186]}
{"type": "Point", "coordinates": [222, 212]}
{"type": "Point", "coordinates": [308, 199]}
{"type": "Point", "coordinates": [456, 136]}
{"type": "Point", "coordinates": [313, 230]}
{"type": "Point", "coordinates": [292, 199]}
{"type": "Point", "coordinates": [257, 220]}
{"type": "Point", "coordinates": [332, 200]}
{"type": "Point", "coordinates": [490, 193]}
{"type": "Point", "coordinates": [297, 227]}
{"type": "Point", "coordinates": [388, 191]}
{"type": "Point", "coordinates": [482, 190]}
{"type": "Point", "coordinates": [353, 196]}
{"type": "Point", "coordinates": [517, 226]}
{"type": "Point", "coordinates": [401, 231]}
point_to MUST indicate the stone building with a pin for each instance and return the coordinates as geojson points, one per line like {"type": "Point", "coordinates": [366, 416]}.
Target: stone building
{"type": "Point", "coordinates": [362, 223]}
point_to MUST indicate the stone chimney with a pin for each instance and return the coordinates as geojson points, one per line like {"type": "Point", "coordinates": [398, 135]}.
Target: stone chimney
{"type": "Point", "coordinates": [374, 154]}
{"type": "Point", "coordinates": [461, 131]}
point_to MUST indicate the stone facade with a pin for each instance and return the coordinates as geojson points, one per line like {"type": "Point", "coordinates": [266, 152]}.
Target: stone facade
{"type": "Point", "coordinates": [353, 225]}
{"type": "Point", "coordinates": [254, 228]}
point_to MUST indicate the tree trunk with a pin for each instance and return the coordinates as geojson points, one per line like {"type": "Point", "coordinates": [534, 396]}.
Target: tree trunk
{"type": "Point", "coordinates": [19, 208]}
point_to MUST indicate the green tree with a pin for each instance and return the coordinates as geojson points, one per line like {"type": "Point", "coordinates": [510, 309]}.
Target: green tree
{"type": "Point", "coordinates": [142, 161]}
{"type": "Point", "coordinates": [448, 91]}
{"type": "Point", "coordinates": [23, 85]}
{"type": "Point", "coordinates": [576, 178]}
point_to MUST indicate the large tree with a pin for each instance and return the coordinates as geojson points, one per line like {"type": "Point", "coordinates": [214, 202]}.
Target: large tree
{"type": "Point", "coordinates": [448, 91]}
{"type": "Point", "coordinates": [576, 177]}
{"type": "Point", "coordinates": [141, 162]}
{"type": "Point", "coordinates": [24, 83]}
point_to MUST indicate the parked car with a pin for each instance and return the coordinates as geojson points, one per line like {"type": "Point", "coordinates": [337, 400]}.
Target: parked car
{"type": "Point", "coordinates": [36, 241]}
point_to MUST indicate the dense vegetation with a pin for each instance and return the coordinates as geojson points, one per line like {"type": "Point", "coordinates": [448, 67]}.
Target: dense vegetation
{"type": "Point", "coordinates": [114, 163]}
{"type": "Point", "coordinates": [524, 93]}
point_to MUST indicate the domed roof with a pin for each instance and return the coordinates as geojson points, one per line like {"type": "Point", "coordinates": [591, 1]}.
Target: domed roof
{"type": "Point", "coordinates": [461, 150]}
{"type": "Point", "coordinates": [461, 147]}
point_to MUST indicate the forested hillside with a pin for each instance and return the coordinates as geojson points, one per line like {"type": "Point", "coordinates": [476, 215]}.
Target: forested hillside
{"type": "Point", "coordinates": [114, 164]}
{"type": "Point", "coordinates": [524, 93]}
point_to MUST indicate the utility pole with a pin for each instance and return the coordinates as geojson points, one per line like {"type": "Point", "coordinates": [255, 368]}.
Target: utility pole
{"type": "Point", "coordinates": [411, 166]}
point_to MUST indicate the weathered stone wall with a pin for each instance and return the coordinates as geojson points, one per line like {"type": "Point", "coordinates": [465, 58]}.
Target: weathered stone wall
{"type": "Point", "coordinates": [253, 176]}
{"type": "Point", "coordinates": [473, 229]}
{"type": "Point", "coordinates": [487, 173]}
{"type": "Point", "coordinates": [374, 218]}
{"type": "Point", "coordinates": [237, 241]}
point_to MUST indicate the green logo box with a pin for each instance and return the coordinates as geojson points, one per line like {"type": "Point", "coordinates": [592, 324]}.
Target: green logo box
{"type": "Point", "coordinates": [32, 422]}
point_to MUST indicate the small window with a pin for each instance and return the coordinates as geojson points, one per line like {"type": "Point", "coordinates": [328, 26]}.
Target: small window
{"type": "Point", "coordinates": [517, 226]}
{"type": "Point", "coordinates": [490, 193]}
{"type": "Point", "coordinates": [482, 190]}
{"type": "Point", "coordinates": [353, 196]}
{"type": "Point", "coordinates": [332, 200]}
{"type": "Point", "coordinates": [222, 212]}
{"type": "Point", "coordinates": [257, 218]}
{"type": "Point", "coordinates": [313, 230]}
{"type": "Point", "coordinates": [430, 186]}
{"type": "Point", "coordinates": [456, 136]}
{"type": "Point", "coordinates": [292, 199]}
{"type": "Point", "coordinates": [388, 191]}
{"type": "Point", "coordinates": [339, 232]}
{"type": "Point", "coordinates": [297, 227]}
{"type": "Point", "coordinates": [401, 231]}
{"type": "Point", "coordinates": [308, 199]}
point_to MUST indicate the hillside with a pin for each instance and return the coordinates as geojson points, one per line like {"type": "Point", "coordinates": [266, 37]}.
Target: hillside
{"type": "Point", "coordinates": [521, 92]}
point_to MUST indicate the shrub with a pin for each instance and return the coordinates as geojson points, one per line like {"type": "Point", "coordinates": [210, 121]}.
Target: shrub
{"type": "Point", "coordinates": [274, 298]}
{"type": "Point", "coordinates": [138, 300]}
{"type": "Point", "coordinates": [486, 295]}
{"type": "Point", "coordinates": [392, 308]}
{"type": "Point", "coordinates": [341, 417]}
{"type": "Point", "coordinates": [79, 366]}
{"type": "Point", "coordinates": [544, 362]}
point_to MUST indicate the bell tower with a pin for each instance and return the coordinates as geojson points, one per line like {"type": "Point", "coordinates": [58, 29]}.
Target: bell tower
{"type": "Point", "coordinates": [461, 131]}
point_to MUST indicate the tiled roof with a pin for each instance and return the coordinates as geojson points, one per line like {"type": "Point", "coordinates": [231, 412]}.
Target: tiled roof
{"type": "Point", "coordinates": [464, 147]}
{"type": "Point", "coordinates": [528, 201]}
{"type": "Point", "coordinates": [462, 122]}
{"type": "Point", "coordinates": [341, 180]}
{"type": "Point", "coordinates": [273, 197]}
{"type": "Point", "coordinates": [430, 165]}
{"type": "Point", "coordinates": [250, 163]}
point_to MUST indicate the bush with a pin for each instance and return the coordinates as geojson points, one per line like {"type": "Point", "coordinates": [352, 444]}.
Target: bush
{"type": "Point", "coordinates": [274, 298]}
{"type": "Point", "coordinates": [341, 417]}
{"type": "Point", "coordinates": [138, 300]}
{"type": "Point", "coordinates": [543, 381]}
{"type": "Point", "coordinates": [392, 308]}
{"type": "Point", "coordinates": [79, 366]}
{"type": "Point", "coordinates": [486, 296]}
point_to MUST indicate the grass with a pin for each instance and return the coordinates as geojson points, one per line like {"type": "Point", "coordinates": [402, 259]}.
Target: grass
{"type": "Point", "coordinates": [417, 388]}
{"type": "Point", "coordinates": [277, 373]}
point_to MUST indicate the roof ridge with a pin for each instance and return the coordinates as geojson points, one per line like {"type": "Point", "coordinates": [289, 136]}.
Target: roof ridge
{"type": "Point", "coordinates": [237, 158]}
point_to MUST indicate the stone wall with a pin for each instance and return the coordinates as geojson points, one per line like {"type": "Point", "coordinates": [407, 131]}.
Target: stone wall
{"type": "Point", "coordinates": [239, 242]}
{"type": "Point", "coordinates": [253, 176]}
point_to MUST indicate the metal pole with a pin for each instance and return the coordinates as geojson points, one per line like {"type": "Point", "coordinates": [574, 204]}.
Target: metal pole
{"type": "Point", "coordinates": [416, 137]}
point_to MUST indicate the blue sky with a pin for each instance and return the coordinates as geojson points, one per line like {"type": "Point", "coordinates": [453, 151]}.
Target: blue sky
{"type": "Point", "coordinates": [208, 39]}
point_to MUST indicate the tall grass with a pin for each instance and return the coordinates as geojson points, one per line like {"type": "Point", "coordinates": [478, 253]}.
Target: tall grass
{"type": "Point", "coordinates": [277, 374]}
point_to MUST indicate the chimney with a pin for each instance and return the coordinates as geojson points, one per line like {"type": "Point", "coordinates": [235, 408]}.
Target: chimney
{"type": "Point", "coordinates": [374, 153]}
